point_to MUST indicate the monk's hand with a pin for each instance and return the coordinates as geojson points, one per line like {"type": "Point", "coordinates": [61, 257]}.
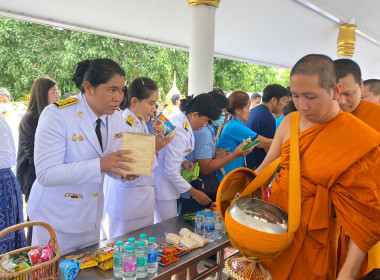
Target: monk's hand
{"type": "Point", "coordinates": [113, 162]}
{"type": "Point", "coordinates": [220, 153]}
{"type": "Point", "coordinates": [239, 152]}
{"type": "Point", "coordinates": [163, 141]}
{"type": "Point", "coordinates": [188, 165]}
{"type": "Point", "coordinates": [201, 197]}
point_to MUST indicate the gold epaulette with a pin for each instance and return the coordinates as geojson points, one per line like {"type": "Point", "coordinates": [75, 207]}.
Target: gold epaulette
{"type": "Point", "coordinates": [66, 102]}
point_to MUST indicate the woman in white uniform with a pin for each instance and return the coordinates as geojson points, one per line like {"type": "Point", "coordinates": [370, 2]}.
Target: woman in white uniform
{"type": "Point", "coordinates": [75, 145]}
{"type": "Point", "coordinates": [195, 114]}
{"type": "Point", "coordinates": [130, 204]}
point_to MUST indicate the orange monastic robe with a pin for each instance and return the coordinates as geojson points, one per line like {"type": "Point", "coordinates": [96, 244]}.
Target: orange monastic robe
{"type": "Point", "coordinates": [369, 113]}
{"type": "Point", "coordinates": [337, 180]}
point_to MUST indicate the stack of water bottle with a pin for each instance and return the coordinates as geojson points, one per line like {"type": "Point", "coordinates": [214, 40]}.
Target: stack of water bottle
{"type": "Point", "coordinates": [208, 225]}
{"type": "Point", "coordinates": [135, 260]}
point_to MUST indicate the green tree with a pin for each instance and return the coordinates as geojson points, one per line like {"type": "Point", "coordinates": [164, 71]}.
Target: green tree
{"type": "Point", "coordinates": [28, 51]}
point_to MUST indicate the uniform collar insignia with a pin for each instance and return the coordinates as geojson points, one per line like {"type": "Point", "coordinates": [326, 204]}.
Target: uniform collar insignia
{"type": "Point", "coordinates": [186, 126]}
{"type": "Point", "coordinates": [129, 120]}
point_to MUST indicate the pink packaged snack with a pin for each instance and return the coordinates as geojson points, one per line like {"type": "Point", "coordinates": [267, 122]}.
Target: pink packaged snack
{"type": "Point", "coordinates": [47, 254]}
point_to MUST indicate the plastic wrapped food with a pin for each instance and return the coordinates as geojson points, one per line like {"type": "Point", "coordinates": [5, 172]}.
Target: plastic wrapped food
{"type": "Point", "coordinates": [190, 242]}
{"type": "Point", "coordinates": [168, 250]}
{"type": "Point", "coordinates": [164, 261]}
{"type": "Point", "coordinates": [106, 265]}
{"type": "Point", "coordinates": [7, 264]}
{"type": "Point", "coordinates": [103, 254]}
{"type": "Point", "coordinates": [68, 269]}
{"type": "Point", "coordinates": [34, 257]}
{"type": "Point", "coordinates": [86, 259]}
{"type": "Point", "coordinates": [199, 239]}
{"type": "Point", "coordinates": [172, 238]}
{"type": "Point", "coordinates": [185, 232]}
{"type": "Point", "coordinates": [47, 254]}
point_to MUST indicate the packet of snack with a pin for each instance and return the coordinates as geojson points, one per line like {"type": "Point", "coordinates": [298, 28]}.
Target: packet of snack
{"type": "Point", "coordinates": [106, 265]}
{"type": "Point", "coordinates": [167, 250]}
{"type": "Point", "coordinates": [161, 125]}
{"type": "Point", "coordinates": [86, 259]}
{"type": "Point", "coordinates": [68, 269]}
{"type": "Point", "coordinates": [192, 175]}
{"type": "Point", "coordinates": [164, 261]}
{"type": "Point", "coordinates": [103, 254]}
{"type": "Point", "coordinates": [34, 257]}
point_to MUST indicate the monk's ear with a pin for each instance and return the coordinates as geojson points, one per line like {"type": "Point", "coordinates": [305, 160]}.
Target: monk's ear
{"type": "Point", "coordinates": [336, 89]}
{"type": "Point", "coordinates": [361, 85]}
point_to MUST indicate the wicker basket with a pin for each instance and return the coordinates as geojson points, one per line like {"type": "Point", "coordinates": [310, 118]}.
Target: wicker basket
{"type": "Point", "coordinates": [48, 270]}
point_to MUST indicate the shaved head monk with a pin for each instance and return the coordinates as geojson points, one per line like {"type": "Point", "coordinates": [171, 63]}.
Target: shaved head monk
{"type": "Point", "coordinates": [350, 98]}
{"type": "Point", "coordinates": [338, 155]}
{"type": "Point", "coordinates": [371, 90]}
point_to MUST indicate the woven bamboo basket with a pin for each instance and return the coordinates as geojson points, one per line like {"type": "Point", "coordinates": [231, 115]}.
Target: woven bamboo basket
{"type": "Point", "coordinates": [48, 270]}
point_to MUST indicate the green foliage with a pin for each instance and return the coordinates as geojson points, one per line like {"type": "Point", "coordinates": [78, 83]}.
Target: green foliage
{"type": "Point", "coordinates": [28, 51]}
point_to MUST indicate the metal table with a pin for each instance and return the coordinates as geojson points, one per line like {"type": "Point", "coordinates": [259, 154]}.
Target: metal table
{"type": "Point", "coordinates": [173, 225]}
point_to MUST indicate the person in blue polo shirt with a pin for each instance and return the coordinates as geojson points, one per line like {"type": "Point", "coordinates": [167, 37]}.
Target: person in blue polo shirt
{"type": "Point", "coordinates": [234, 132]}
{"type": "Point", "coordinates": [261, 120]}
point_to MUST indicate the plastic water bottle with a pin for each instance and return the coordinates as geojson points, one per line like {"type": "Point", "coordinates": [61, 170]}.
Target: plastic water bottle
{"type": "Point", "coordinates": [142, 260]}
{"type": "Point", "coordinates": [118, 251]}
{"type": "Point", "coordinates": [209, 227]}
{"type": "Point", "coordinates": [152, 255]}
{"type": "Point", "coordinates": [143, 238]}
{"type": "Point", "coordinates": [219, 230]}
{"type": "Point", "coordinates": [198, 222]}
{"type": "Point", "coordinates": [129, 264]}
{"type": "Point", "coordinates": [132, 241]}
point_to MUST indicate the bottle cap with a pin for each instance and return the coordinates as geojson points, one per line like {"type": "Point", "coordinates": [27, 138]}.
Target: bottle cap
{"type": "Point", "coordinates": [131, 240]}
{"type": "Point", "coordinates": [199, 213]}
{"type": "Point", "coordinates": [152, 239]}
{"type": "Point", "coordinates": [143, 236]}
{"type": "Point", "coordinates": [140, 244]}
{"type": "Point", "coordinates": [119, 243]}
{"type": "Point", "coordinates": [209, 215]}
{"type": "Point", "coordinates": [129, 248]}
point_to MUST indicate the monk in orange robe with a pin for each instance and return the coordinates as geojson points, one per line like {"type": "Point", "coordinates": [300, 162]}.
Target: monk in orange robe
{"type": "Point", "coordinates": [350, 101]}
{"type": "Point", "coordinates": [338, 156]}
{"type": "Point", "coordinates": [350, 98]}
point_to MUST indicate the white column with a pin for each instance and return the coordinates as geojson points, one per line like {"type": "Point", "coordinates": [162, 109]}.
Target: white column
{"type": "Point", "coordinates": [201, 57]}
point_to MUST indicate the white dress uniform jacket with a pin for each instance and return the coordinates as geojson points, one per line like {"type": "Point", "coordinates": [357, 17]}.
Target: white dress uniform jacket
{"type": "Point", "coordinates": [169, 183]}
{"type": "Point", "coordinates": [130, 199]}
{"type": "Point", "coordinates": [68, 191]}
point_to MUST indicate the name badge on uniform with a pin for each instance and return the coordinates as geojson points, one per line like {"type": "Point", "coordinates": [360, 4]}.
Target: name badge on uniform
{"type": "Point", "coordinates": [129, 120]}
{"type": "Point", "coordinates": [73, 195]}
{"type": "Point", "coordinates": [186, 126]}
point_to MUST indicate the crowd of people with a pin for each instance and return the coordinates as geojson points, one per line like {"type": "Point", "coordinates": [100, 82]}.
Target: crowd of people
{"type": "Point", "coordinates": [69, 160]}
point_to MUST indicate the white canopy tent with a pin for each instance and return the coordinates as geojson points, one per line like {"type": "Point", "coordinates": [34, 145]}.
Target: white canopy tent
{"type": "Point", "coordinates": [270, 32]}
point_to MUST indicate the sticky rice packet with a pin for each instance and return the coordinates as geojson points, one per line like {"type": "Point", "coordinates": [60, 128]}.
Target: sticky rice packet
{"type": "Point", "coordinates": [86, 259]}
{"type": "Point", "coordinates": [106, 265]}
{"type": "Point", "coordinates": [172, 238]}
{"type": "Point", "coordinates": [103, 254]}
